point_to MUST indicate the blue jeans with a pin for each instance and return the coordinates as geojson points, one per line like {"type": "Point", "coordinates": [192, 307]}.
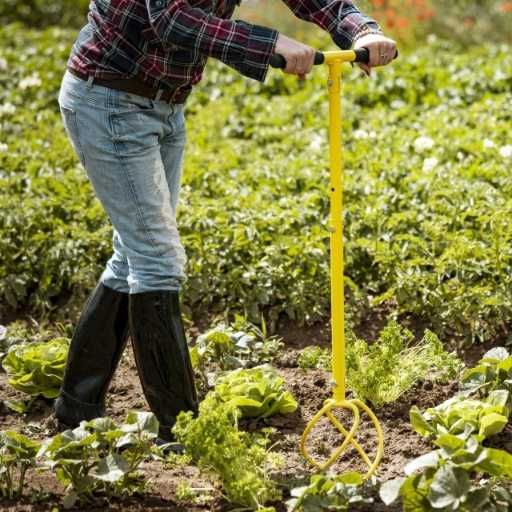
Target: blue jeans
{"type": "Point", "coordinates": [132, 150]}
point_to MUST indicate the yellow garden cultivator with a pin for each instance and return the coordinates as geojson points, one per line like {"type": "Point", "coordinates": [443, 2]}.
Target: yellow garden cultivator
{"type": "Point", "coordinates": [335, 61]}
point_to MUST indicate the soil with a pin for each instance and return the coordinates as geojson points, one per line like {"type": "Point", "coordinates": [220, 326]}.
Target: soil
{"type": "Point", "coordinates": [310, 388]}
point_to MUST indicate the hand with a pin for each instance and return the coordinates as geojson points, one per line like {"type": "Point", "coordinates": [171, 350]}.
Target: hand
{"type": "Point", "coordinates": [382, 50]}
{"type": "Point", "coordinates": [299, 57]}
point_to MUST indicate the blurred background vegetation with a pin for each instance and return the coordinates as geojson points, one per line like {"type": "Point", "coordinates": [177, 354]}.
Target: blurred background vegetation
{"type": "Point", "coordinates": [410, 21]}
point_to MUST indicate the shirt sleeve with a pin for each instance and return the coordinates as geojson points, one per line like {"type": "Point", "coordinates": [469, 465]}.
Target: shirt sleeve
{"type": "Point", "coordinates": [243, 46]}
{"type": "Point", "coordinates": [340, 18]}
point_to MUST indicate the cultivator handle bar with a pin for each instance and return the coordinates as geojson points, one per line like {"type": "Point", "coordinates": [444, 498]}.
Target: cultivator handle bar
{"type": "Point", "coordinates": [355, 408]}
{"type": "Point", "coordinates": [361, 55]}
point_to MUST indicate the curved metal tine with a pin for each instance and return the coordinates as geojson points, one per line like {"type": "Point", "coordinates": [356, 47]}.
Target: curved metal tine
{"type": "Point", "coordinates": [353, 441]}
{"type": "Point", "coordinates": [380, 435]}
{"type": "Point", "coordinates": [349, 435]}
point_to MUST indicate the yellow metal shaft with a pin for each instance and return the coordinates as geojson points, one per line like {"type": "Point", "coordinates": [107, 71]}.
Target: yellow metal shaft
{"type": "Point", "coordinates": [337, 263]}
{"type": "Point", "coordinates": [335, 62]}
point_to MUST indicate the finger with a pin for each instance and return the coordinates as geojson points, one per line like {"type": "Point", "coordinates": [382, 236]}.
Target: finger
{"type": "Point", "coordinates": [385, 54]}
{"type": "Point", "coordinates": [389, 51]}
{"type": "Point", "coordinates": [305, 64]}
{"type": "Point", "coordinates": [382, 54]}
{"type": "Point", "coordinates": [392, 51]}
{"type": "Point", "coordinates": [291, 64]}
{"type": "Point", "coordinates": [366, 69]}
{"type": "Point", "coordinates": [374, 55]}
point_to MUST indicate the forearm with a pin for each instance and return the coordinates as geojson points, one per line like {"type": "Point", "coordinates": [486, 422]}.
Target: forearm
{"type": "Point", "coordinates": [340, 18]}
{"type": "Point", "coordinates": [244, 46]}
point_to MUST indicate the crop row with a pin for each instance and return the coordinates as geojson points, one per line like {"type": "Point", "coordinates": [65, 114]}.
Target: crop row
{"type": "Point", "coordinates": [102, 459]}
{"type": "Point", "coordinates": [427, 197]}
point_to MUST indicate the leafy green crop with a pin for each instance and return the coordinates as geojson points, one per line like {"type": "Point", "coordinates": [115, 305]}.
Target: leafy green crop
{"type": "Point", "coordinates": [315, 357]}
{"type": "Point", "coordinates": [382, 371]}
{"type": "Point", "coordinates": [493, 371]}
{"type": "Point", "coordinates": [461, 474]}
{"type": "Point", "coordinates": [100, 456]}
{"type": "Point", "coordinates": [239, 459]}
{"type": "Point", "coordinates": [37, 368]}
{"type": "Point", "coordinates": [5, 342]}
{"type": "Point", "coordinates": [325, 493]}
{"type": "Point", "coordinates": [231, 348]}
{"type": "Point", "coordinates": [427, 209]}
{"type": "Point", "coordinates": [257, 392]}
{"type": "Point", "coordinates": [39, 13]}
{"type": "Point", "coordinates": [224, 347]}
{"type": "Point", "coordinates": [17, 455]}
{"type": "Point", "coordinates": [459, 415]}
{"type": "Point", "coordinates": [441, 480]}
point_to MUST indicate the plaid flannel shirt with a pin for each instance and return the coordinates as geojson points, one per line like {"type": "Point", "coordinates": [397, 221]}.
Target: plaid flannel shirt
{"type": "Point", "coordinates": [166, 43]}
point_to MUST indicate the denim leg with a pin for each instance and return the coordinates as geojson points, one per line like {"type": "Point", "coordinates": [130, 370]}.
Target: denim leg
{"type": "Point", "coordinates": [116, 272]}
{"type": "Point", "coordinates": [118, 135]}
{"type": "Point", "coordinates": [172, 150]}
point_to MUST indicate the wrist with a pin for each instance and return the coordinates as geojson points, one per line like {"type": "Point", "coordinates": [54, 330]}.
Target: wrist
{"type": "Point", "coordinates": [365, 30]}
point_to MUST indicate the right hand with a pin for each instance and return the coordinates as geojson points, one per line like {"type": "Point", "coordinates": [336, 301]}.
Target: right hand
{"type": "Point", "coordinates": [299, 57]}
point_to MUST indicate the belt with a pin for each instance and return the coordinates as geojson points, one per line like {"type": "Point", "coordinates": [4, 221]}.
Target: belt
{"type": "Point", "coordinates": [135, 86]}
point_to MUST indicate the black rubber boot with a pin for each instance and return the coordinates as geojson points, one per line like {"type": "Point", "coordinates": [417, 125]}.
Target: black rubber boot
{"type": "Point", "coordinates": [94, 353]}
{"type": "Point", "coordinates": [162, 357]}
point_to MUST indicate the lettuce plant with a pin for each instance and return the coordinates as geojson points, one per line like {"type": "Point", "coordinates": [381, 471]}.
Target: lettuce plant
{"type": "Point", "coordinates": [239, 459]}
{"type": "Point", "coordinates": [37, 368]}
{"type": "Point", "coordinates": [326, 493]}
{"type": "Point", "coordinates": [493, 371]}
{"type": "Point", "coordinates": [459, 415]}
{"type": "Point", "coordinates": [17, 455]}
{"type": "Point", "coordinates": [257, 392]}
{"type": "Point", "coordinates": [101, 457]}
{"type": "Point", "coordinates": [235, 346]}
{"type": "Point", "coordinates": [442, 479]}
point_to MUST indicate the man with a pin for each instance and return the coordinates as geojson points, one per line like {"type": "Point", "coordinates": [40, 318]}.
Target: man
{"type": "Point", "coordinates": [130, 71]}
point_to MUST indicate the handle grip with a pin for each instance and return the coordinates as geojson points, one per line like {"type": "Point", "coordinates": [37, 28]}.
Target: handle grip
{"type": "Point", "coordinates": [279, 62]}
{"type": "Point", "coordinates": [362, 55]}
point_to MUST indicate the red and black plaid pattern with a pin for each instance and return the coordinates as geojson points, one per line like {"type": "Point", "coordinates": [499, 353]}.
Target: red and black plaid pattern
{"type": "Point", "coordinates": [166, 42]}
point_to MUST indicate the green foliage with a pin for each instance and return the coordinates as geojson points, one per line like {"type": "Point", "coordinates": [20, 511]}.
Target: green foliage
{"type": "Point", "coordinates": [197, 496]}
{"type": "Point", "coordinates": [37, 368]}
{"type": "Point", "coordinates": [41, 13]}
{"type": "Point", "coordinates": [5, 342]}
{"type": "Point", "coordinates": [494, 371]}
{"type": "Point", "coordinates": [382, 371]}
{"type": "Point", "coordinates": [226, 347]}
{"type": "Point", "coordinates": [20, 331]}
{"type": "Point", "coordinates": [427, 201]}
{"type": "Point", "coordinates": [440, 480]}
{"type": "Point", "coordinates": [17, 455]}
{"type": "Point", "coordinates": [239, 459]}
{"type": "Point", "coordinates": [257, 392]}
{"type": "Point", "coordinates": [101, 457]}
{"type": "Point", "coordinates": [232, 348]}
{"type": "Point", "coordinates": [325, 493]}
{"type": "Point", "coordinates": [459, 415]}
{"type": "Point", "coordinates": [461, 474]}
{"type": "Point", "coordinates": [315, 357]}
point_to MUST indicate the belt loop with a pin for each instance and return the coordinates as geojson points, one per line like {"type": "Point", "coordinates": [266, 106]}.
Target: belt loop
{"type": "Point", "coordinates": [159, 94]}
{"type": "Point", "coordinates": [90, 81]}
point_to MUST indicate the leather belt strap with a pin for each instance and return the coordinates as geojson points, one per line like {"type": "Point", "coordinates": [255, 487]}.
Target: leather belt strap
{"type": "Point", "coordinates": [135, 86]}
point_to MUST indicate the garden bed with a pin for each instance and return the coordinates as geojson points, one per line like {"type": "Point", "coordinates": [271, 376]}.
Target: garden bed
{"type": "Point", "coordinates": [309, 387]}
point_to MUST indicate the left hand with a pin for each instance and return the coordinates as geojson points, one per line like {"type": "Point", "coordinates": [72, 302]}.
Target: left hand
{"type": "Point", "coordinates": [382, 50]}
